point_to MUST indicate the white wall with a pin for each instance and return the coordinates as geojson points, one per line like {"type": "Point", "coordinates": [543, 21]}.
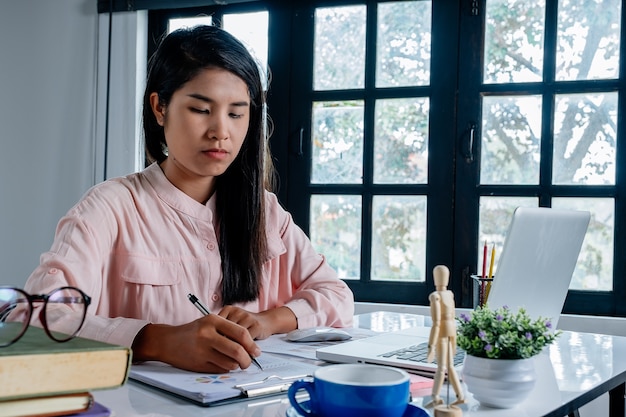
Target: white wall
{"type": "Point", "coordinates": [47, 122]}
{"type": "Point", "coordinates": [52, 88]}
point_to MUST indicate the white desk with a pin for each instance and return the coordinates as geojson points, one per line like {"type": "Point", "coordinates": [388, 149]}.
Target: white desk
{"type": "Point", "coordinates": [578, 368]}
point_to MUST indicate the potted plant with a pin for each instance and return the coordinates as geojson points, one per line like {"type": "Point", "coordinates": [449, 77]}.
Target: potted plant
{"type": "Point", "coordinates": [500, 345]}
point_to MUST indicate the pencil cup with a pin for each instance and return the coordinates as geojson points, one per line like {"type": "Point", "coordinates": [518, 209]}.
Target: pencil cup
{"type": "Point", "coordinates": [480, 290]}
{"type": "Point", "coordinates": [353, 390]}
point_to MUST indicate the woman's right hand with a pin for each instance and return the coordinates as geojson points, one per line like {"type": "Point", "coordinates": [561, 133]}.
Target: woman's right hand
{"type": "Point", "coordinates": [210, 344]}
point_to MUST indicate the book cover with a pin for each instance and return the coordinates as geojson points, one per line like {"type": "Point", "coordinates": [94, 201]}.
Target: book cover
{"type": "Point", "coordinates": [35, 365]}
{"type": "Point", "coordinates": [47, 406]}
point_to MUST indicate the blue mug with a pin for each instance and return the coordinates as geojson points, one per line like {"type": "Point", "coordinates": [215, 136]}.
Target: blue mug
{"type": "Point", "coordinates": [353, 390]}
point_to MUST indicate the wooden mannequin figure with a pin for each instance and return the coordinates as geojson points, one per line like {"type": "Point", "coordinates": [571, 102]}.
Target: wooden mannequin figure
{"type": "Point", "coordinates": [442, 343]}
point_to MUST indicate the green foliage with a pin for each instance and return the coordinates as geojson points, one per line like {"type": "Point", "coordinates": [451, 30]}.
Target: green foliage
{"type": "Point", "coordinates": [503, 334]}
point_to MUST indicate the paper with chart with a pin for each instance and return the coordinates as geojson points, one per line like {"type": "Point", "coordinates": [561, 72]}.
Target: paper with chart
{"type": "Point", "coordinates": [277, 374]}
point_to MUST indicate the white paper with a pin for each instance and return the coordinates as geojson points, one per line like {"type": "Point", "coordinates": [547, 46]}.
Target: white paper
{"type": "Point", "coordinates": [207, 388]}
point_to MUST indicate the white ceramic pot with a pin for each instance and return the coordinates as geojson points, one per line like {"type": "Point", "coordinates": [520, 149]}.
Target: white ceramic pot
{"type": "Point", "coordinates": [499, 383]}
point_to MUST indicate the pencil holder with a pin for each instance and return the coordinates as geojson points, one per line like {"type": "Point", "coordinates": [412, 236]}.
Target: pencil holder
{"type": "Point", "coordinates": [480, 290]}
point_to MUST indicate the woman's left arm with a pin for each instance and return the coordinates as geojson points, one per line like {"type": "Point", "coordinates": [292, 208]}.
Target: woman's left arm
{"type": "Point", "coordinates": [299, 288]}
{"type": "Point", "coordinates": [300, 278]}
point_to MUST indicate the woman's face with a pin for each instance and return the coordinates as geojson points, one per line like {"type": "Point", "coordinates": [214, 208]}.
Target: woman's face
{"type": "Point", "coordinates": [205, 124]}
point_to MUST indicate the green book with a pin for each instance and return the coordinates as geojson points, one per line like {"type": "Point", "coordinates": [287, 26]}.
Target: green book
{"type": "Point", "coordinates": [36, 365]}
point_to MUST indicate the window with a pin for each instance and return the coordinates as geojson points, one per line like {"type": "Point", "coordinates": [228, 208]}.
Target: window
{"type": "Point", "coordinates": [406, 132]}
{"type": "Point", "coordinates": [369, 140]}
{"type": "Point", "coordinates": [368, 193]}
{"type": "Point", "coordinates": [542, 107]}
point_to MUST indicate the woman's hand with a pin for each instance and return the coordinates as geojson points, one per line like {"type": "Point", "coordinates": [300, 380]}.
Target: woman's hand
{"type": "Point", "coordinates": [210, 344]}
{"type": "Point", "coordinates": [262, 325]}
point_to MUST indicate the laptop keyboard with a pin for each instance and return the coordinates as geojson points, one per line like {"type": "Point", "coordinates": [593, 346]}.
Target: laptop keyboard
{"type": "Point", "coordinates": [418, 353]}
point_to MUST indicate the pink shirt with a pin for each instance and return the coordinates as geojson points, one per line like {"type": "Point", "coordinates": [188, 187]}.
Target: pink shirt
{"type": "Point", "coordinates": [138, 245]}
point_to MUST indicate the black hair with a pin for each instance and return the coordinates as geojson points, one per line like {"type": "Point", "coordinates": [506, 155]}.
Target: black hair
{"type": "Point", "coordinates": [240, 207]}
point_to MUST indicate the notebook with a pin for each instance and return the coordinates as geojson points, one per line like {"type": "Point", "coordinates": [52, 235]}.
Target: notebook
{"type": "Point", "coordinates": [215, 389]}
{"type": "Point", "coordinates": [534, 271]}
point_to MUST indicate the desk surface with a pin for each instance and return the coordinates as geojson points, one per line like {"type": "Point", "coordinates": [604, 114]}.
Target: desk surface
{"type": "Point", "coordinates": [575, 370]}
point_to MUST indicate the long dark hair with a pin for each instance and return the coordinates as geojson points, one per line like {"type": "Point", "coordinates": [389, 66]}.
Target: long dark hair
{"type": "Point", "coordinates": [180, 56]}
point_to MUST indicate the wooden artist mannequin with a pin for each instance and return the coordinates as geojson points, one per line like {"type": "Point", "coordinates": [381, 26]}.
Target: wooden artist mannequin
{"type": "Point", "coordinates": [442, 342]}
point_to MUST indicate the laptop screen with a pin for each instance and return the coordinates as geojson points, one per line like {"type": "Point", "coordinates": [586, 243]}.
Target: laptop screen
{"type": "Point", "coordinates": [538, 259]}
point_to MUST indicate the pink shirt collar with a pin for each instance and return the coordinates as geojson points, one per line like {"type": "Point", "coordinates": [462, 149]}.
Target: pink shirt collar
{"type": "Point", "coordinates": [177, 199]}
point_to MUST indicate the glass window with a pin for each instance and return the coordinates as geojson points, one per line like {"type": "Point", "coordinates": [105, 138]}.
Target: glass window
{"type": "Point", "coordinates": [336, 231]}
{"type": "Point", "coordinates": [339, 56]}
{"type": "Point", "coordinates": [511, 134]}
{"type": "Point", "coordinates": [337, 142]}
{"type": "Point", "coordinates": [399, 238]}
{"type": "Point", "coordinates": [588, 39]}
{"type": "Point", "coordinates": [188, 22]}
{"type": "Point", "coordinates": [251, 29]}
{"type": "Point", "coordinates": [401, 141]}
{"type": "Point", "coordinates": [594, 269]}
{"type": "Point", "coordinates": [403, 44]}
{"type": "Point", "coordinates": [372, 141]}
{"type": "Point", "coordinates": [585, 138]}
{"type": "Point", "coordinates": [552, 143]}
{"type": "Point", "coordinates": [514, 39]}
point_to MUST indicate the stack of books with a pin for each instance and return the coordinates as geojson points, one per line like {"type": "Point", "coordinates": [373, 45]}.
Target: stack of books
{"type": "Point", "coordinates": [41, 377]}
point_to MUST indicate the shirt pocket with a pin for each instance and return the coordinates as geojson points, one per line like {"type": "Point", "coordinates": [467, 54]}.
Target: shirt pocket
{"type": "Point", "coordinates": [275, 247]}
{"type": "Point", "coordinates": [150, 271]}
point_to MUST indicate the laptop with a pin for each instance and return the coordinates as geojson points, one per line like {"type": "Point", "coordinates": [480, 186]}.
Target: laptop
{"type": "Point", "coordinates": [540, 252]}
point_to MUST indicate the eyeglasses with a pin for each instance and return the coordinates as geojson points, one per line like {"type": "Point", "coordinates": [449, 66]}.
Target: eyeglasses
{"type": "Point", "coordinates": [64, 309]}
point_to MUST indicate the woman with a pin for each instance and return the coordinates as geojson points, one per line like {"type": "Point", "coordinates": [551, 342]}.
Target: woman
{"type": "Point", "coordinates": [197, 220]}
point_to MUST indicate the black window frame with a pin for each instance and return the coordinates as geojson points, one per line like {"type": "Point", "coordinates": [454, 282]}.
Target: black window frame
{"type": "Point", "coordinates": [455, 91]}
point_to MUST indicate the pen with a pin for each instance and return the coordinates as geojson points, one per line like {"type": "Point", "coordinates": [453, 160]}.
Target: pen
{"type": "Point", "coordinates": [194, 300]}
{"type": "Point", "coordinates": [493, 256]}
{"type": "Point", "coordinates": [482, 284]}
{"type": "Point", "coordinates": [485, 260]}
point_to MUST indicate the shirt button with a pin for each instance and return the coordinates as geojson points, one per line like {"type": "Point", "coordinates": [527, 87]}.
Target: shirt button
{"type": "Point", "coordinates": [53, 271]}
{"type": "Point", "coordinates": [215, 297]}
{"type": "Point", "coordinates": [211, 246]}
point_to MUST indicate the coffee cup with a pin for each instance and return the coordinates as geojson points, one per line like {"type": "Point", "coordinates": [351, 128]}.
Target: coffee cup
{"type": "Point", "coordinates": [351, 390]}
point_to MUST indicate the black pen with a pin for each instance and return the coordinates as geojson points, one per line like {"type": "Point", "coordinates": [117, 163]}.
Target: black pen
{"type": "Point", "coordinates": [194, 300]}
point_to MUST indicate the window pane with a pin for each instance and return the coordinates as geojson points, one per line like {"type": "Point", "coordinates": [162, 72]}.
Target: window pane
{"type": "Point", "coordinates": [514, 41]}
{"type": "Point", "coordinates": [511, 139]}
{"type": "Point", "coordinates": [401, 141]}
{"type": "Point", "coordinates": [339, 57]}
{"type": "Point", "coordinates": [403, 45]}
{"type": "Point", "coordinates": [399, 238]}
{"type": "Point", "coordinates": [588, 39]}
{"type": "Point", "coordinates": [251, 29]}
{"type": "Point", "coordinates": [337, 141]}
{"type": "Point", "coordinates": [495, 215]}
{"type": "Point", "coordinates": [585, 135]}
{"type": "Point", "coordinates": [336, 232]}
{"type": "Point", "coordinates": [594, 269]}
{"type": "Point", "coordinates": [187, 22]}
